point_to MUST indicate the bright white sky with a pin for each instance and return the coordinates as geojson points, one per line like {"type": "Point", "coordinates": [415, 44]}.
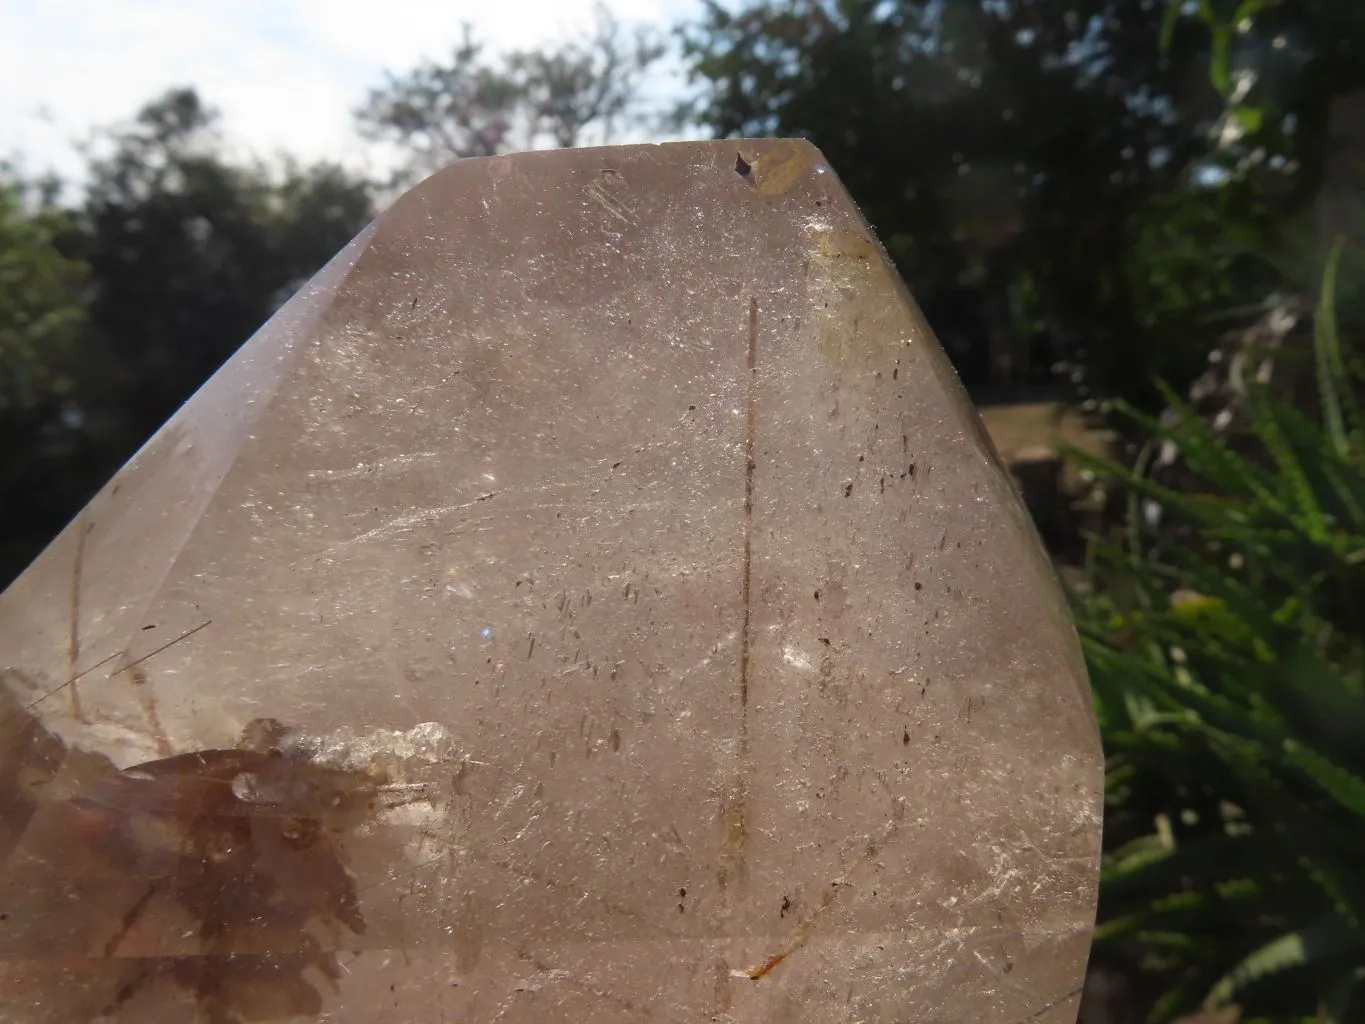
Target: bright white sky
{"type": "Point", "coordinates": [286, 74]}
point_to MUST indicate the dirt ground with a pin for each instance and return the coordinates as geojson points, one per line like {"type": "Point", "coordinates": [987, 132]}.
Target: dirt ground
{"type": "Point", "coordinates": [1021, 428]}
{"type": "Point", "coordinates": [1029, 437]}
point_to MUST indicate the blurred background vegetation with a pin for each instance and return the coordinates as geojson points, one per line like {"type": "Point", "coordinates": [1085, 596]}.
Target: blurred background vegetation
{"type": "Point", "coordinates": [1136, 227]}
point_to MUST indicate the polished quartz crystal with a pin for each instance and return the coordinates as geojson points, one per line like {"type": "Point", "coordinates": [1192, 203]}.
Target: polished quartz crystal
{"type": "Point", "coordinates": [591, 598]}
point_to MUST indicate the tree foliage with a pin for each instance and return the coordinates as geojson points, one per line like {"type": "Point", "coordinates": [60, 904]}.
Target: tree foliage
{"type": "Point", "coordinates": [1046, 173]}
{"type": "Point", "coordinates": [42, 317]}
{"type": "Point", "coordinates": [190, 253]}
{"type": "Point", "coordinates": [40, 301]}
{"type": "Point", "coordinates": [479, 104]}
{"type": "Point", "coordinates": [113, 312]}
{"type": "Point", "coordinates": [1228, 662]}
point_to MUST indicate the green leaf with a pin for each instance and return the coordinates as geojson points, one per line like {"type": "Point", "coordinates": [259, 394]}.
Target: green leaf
{"type": "Point", "coordinates": [1283, 953]}
{"type": "Point", "coordinates": [1174, 10]}
{"type": "Point", "coordinates": [1251, 118]}
{"type": "Point", "coordinates": [1220, 61]}
{"type": "Point", "coordinates": [1248, 9]}
{"type": "Point", "coordinates": [1329, 938]}
{"type": "Point", "coordinates": [1344, 787]}
{"type": "Point", "coordinates": [1268, 430]}
{"type": "Point", "coordinates": [1333, 384]}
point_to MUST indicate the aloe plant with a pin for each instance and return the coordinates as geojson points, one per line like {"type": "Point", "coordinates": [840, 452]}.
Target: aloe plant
{"type": "Point", "coordinates": [1227, 654]}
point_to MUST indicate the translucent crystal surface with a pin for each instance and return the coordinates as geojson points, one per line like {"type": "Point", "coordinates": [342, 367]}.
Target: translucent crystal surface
{"type": "Point", "coordinates": [591, 599]}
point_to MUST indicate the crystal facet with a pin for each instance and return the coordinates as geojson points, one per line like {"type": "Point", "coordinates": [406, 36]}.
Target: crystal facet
{"type": "Point", "coordinates": [592, 598]}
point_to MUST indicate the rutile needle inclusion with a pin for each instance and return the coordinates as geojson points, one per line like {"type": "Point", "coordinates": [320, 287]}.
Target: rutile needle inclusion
{"type": "Point", "coordinates": [591, 598]}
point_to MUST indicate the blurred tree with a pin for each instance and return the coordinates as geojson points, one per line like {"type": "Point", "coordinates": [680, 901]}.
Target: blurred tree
{"type": "Point", "coordinates": [1290, 142]}
{"type": "Point", "coordinates": [190, 253]}
{"type": "Point", "coordinates": [112, 314]}
{"type": "Point", "coordinates": [1280, 66]}
{"type": "Point", "coordinates": [40, 312]}
{"type": "Point", "coordinates": [588, 86]}
{"type": "Point", "coordinates": [41, 416]}
{"type": "Point", "coordinates": [439, 112]}
{"type": "Point", "coordinates": [479, 105]}
{"type": "Point", "coordinates": [1035, 167]}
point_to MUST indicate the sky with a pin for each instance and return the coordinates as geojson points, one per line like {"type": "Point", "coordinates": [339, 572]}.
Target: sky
{"type": "Point", "coordinates": [285, 74]}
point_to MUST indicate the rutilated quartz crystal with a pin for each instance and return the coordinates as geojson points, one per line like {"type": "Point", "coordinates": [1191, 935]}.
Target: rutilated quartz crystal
{"type": "Point", "coordinates": [591, 598]}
